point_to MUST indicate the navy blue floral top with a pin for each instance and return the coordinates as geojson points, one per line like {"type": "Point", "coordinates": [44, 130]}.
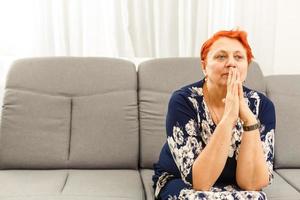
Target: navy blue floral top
{"type": "Point", "coordinates": [189, 127]}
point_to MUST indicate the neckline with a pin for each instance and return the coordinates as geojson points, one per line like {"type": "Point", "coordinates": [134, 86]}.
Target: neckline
{"type": "Point", "coordinates": [210, 107]}
{"type": "Point", "coordinates": [206, 109]}
{"type": "Point", "coordinates": [209, 115]}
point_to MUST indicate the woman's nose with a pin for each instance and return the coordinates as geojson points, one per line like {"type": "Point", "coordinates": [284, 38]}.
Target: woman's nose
{"type": "Point", "coordinates": [231, 62]}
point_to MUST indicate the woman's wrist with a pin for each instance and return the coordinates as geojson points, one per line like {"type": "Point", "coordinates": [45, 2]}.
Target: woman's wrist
{"type": "Point", "coordinates": [250, 121]}
{"type": "Point", "coordinates": [227, 120]}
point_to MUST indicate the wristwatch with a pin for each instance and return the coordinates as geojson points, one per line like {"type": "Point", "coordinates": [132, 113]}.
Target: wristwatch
{"type": "Point", "coordinates": [252, 127]}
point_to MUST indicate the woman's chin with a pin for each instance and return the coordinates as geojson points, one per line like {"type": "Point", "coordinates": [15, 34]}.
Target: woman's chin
{"type": "Point", "coordinates": [222, 83]}
{"type": "Point", "coordinates": [224, 78]}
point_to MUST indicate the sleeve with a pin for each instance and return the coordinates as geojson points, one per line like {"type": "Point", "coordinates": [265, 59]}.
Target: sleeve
{"type": "Point", "coordinates": [183, 133]}
{"type": "Point", "coordinates": [268, 122]}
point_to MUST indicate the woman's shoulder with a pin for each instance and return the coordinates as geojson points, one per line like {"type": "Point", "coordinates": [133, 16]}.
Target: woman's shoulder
{"type": "Point", "coordinates": [187, 96]}
{"type": "Point", "coordinates": [254, 96]}
{"type": "Point", "coordinates": [191, 90]}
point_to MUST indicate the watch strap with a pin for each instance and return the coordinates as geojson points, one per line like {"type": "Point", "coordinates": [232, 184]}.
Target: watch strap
{"type": "Point", "coordinates": [252, 127]}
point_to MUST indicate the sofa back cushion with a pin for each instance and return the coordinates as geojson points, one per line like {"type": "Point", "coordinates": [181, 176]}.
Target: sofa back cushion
{"type": "Point", "coordinates": [157, 80]}
{"type": "Point", "coordinates": [68, 112]}
{"type": "Point", "coordinates": [284, 91]}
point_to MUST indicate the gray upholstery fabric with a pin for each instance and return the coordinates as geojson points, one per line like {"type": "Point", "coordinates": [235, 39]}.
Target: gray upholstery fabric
{"type": "Point", "coordinates": [280, 190]}
{"type": "Point", "coordinates": [32, 124]}
{"type": "Point", "coordinates": [70, 184]}
{"type": "Point", "coordinates": [284, 91]}
{"type": "Point", "coordinates": [255, 78]}
{"type": "Point", "coordinates": [31, 182]}
{"type": "Point", "coordinates": [292, 176]}
{"type": "Point", "coordinates": [146, 175]}
{"type": "Point", "coordinates": [70, 113]}
{"type": "Point", "coordinates": [72, 76]}
{"type": "Point", "coordinates": [157, 80]}
{"type": "Point", "coordinates": [107, 183]}
{"type": "Point", "coordinates": [100, 123]}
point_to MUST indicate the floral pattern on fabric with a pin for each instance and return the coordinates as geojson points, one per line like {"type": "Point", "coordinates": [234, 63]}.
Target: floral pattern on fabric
{"type": "Point", "coordinates": [268, 147]}
{"type": "Point", "coordinates": [229, 192]}
{"type": "Point", "coordinates": [182, 149]}
{"type": "Point", "coordinates": [162, 181]}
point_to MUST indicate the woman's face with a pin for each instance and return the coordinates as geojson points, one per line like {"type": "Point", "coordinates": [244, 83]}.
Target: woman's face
{"type": "Point", "coordinates": [223, 54]}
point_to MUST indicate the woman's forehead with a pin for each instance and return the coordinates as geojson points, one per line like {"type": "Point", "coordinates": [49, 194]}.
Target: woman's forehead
{"type": "Point", "coordinates": [227, 45]}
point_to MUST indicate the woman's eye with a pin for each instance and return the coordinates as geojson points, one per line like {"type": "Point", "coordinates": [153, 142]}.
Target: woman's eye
{"type": "Point", "coordinates": [220, 57]}
{"type": "Point", "coordinates": [237, 57]}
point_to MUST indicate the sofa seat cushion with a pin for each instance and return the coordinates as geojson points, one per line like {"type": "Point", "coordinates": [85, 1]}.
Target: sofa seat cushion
{"type": "Point", "coordinates": [280, 189]}
{"type": "Point", "coordinates": [70, 184]}
{"type": "Point", "coordinates": [292, 176]}
{"type": "Point", "coordinates": [146, 175]}
{"type": "Point", "coordinates": [29, 182]}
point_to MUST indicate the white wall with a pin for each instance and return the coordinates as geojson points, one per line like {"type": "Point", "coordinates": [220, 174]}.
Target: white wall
{"type": "Point", "coordinates": [4, 66]}
{"type": "Point", "coordinates": [287, 42]}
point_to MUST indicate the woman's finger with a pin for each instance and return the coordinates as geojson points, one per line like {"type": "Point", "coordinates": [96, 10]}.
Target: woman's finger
{"type": "Point", "coordinates": [229, 77]}
{"type": "Point", "coordinates": [233, 81]}
{"type": "Point", "coordinates": [240, 88]}
{"type": "Point", "coordinates": [229, 81]}
{"type": "Point", "coordinates": [236, 88]}
{"type": "Point", "coordinates": [236, 73]}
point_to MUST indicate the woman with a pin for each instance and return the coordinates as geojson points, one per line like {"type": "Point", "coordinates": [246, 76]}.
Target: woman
{"type": "Point", "coordinates": [220, 134]}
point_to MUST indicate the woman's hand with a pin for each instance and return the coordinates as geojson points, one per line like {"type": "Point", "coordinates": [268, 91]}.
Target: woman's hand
{"type": "Point", "coordinates": [245, 113]}
{"type": "Point", "coordinates": [231, 110]}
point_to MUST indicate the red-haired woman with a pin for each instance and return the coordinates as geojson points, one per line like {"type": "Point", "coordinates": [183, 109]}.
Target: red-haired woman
{"type": "Point", "coordinates": [220, 134]}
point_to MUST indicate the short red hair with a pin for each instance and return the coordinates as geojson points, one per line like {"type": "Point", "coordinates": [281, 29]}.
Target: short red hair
{"type": "Point", "coordinates": [241, 36]}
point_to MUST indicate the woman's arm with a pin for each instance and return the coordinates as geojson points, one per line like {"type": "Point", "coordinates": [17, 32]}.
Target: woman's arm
{"type": "Point", "coordinates": [252, 170]}
{"type": "Point", "coordinates": [210, 163]}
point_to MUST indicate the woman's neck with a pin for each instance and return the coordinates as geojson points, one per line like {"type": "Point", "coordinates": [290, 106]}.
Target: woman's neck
{"type": "Point", "coordinates": [216, 94]}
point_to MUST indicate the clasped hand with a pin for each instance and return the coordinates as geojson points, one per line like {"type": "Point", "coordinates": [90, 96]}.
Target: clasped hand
{"type": "Point", "coordinates": [235, 104]}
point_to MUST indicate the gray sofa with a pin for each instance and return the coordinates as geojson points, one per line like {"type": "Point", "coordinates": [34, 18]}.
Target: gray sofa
{"type": "Point", "coordinates": [91, 128]}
